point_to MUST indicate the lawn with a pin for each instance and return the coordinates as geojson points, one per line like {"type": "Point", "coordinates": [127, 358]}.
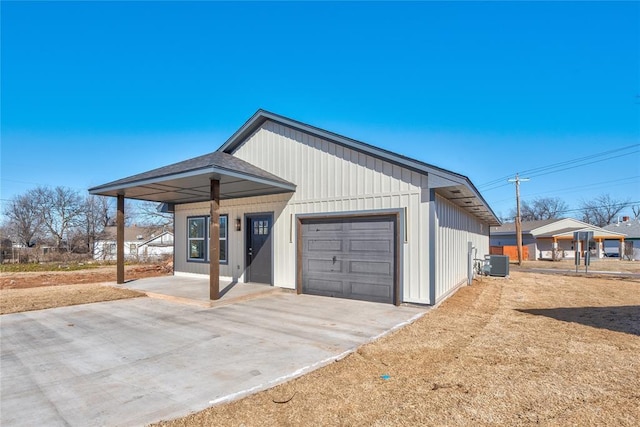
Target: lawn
{"type": "Point", "coordinates": [530, 349]}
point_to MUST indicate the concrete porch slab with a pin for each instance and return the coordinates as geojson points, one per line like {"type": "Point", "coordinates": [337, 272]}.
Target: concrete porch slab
{"type": "Point", "coordinates": [195, 290]}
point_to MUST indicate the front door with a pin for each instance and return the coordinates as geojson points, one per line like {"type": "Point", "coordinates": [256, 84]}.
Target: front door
{"type": "Point", "coordinates": [259, 248]}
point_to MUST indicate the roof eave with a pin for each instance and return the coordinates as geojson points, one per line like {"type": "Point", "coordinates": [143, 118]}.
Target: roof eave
{"type": "Point", "coordinates": [211, 170]}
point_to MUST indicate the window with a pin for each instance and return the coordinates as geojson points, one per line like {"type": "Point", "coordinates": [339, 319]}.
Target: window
{"type": "Point", "coordinates": [223, 238]}
{"type": "Point", "coordinates": [110, 248]}
{"type": "Point", "coordinates": [198, 235]}
{"type": "Point", "coordinates": [196, 245]}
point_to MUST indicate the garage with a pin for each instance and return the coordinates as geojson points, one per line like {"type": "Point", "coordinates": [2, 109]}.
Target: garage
{"type": "Point", "coordinates": [350, 257]}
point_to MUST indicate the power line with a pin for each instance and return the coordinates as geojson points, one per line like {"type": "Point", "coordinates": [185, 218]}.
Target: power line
{"type": "Point", "coordinates": [574, 188]}
{"type": "Point", "coordinates": [565, 165]}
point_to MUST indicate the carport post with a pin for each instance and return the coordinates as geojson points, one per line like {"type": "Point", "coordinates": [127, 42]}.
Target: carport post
{"type": "Point", "coordinates": [214, 241]}
{"type": "Point", "coordinates": [120, 240]}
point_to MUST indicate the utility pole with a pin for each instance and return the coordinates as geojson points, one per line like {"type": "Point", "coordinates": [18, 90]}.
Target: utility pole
{"type": "Point", "coordinates": [517, 180]}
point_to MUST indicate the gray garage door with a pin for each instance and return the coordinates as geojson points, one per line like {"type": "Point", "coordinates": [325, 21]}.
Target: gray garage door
{"type": "Point", "coordinates": [350, 257]}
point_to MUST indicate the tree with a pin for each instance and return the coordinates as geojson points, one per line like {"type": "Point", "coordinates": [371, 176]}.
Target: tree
{"type": "Point", "coordinates": [97, 214]}
{"type": "Point", "coordinates": [542, 208]}
{"type": "Point", "coordinates": [636, 211]}
{"type": "Point", "coordinates": [602, 210]}
{"type": "Point", "coordinates": [148, 213]}
{"type": "Point", "coordinates": [60, 209]}
{"type": "Point", "coordinates": [24, 219]}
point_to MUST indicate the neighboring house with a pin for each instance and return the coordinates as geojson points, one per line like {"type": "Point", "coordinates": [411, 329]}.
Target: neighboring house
{"type": "Point", "coordinates": [306, 209]}
{"type": "Point", "coordinates": [630, 227]}
{"type": "Point", "coordinates": [140, 243]}
{"type": "Point", "coordinates": [553, 238]}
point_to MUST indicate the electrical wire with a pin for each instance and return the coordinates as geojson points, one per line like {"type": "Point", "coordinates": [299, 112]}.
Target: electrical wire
{"type": "Point", "coordinates": [562, 166]}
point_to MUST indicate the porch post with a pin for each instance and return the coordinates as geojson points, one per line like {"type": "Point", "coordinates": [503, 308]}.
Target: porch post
{"type": "Point", "coordinates": [120, 240]}
{"type": "Point", "coordinates": [214, 241]}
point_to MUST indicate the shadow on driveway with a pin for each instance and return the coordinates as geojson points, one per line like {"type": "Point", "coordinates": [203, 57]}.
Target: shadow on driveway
{"type": "Point", "coordinates": [624, 318]}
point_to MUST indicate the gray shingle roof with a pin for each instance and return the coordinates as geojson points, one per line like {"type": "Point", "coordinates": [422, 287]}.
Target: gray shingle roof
{"type": "Point", "coordinates": [527, 226]}
{"type": "Point", "coordinates": [631, 228]}
{"type": "Point", "coordinates": [216, 159]}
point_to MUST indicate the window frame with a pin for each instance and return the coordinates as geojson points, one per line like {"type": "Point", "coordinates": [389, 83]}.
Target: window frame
{"type": "Point", "coordinates": [224, 240]}
{"type": "Point", "coordinates": [204, 239]}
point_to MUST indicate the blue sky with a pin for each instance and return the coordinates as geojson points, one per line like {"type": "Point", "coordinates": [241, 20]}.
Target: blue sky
{"type": "Point", "coordinates": [93, 92]}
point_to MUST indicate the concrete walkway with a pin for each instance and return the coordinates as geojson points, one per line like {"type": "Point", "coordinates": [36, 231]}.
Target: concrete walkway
{"type": "Point", "coordinates": [136, 361]}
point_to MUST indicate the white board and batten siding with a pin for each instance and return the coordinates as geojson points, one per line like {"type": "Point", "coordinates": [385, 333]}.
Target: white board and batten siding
{"type": "Point", "coordinates": [454, 229]}
{"type": "Point", "coordinates": [331, 178]}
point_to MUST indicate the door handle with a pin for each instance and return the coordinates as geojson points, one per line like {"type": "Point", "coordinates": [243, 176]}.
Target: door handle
{"type": "Point", "coordinates": [334, 259]}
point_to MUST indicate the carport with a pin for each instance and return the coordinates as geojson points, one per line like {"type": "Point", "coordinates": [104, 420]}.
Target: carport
{"type": "Point", "coordinates": [212, 177]}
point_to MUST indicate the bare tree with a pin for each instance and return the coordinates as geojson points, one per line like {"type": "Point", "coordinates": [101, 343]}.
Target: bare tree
{"type": "Point", "coordinates": [97, 214]}
{"type": "Point", "coordinates": [602, 210]}
{"type": "Point", "coordinates": [24, 219]}
{"type": "Point", "coordinates": [636, 211]}
{"type": "Point", "coordinates": [542, 208]}
{"type": "Point", "coordinates": [149, 213]}
{"type": "Point", "coordinates": [60, 209]}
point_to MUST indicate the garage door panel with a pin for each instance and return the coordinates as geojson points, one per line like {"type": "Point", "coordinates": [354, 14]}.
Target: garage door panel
{"type": "Point", "coordinates": [385, 246]}
{"type": "Point", "coordinates": [371, 225]}
{"type": "Point", "coordinates": [326, 287]}
{"type": "Point", "coordinates": [361, 289]}
{"type": "Point", "coordinates": [350, 257]}
{"type": "Point", "coordinates": [324, 226]}
{"type": "Point", "coordinates": [317, 245]}
{"type": "Point", "coordinates": [323, 266]}
{"type": "Point", "coordinates": [371, 267]}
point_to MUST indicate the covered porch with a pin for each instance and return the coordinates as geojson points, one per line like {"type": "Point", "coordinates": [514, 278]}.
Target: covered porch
{"type": "Point", "coordinates": [562, 244]}
{"type": "Point", "coordinates": [211, 178]}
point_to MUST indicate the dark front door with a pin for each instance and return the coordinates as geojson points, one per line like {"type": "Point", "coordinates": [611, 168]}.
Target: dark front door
{"type": "Point", "coordinates": [259, 248]}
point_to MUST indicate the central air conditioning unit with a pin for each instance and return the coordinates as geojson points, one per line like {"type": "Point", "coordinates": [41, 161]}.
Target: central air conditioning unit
{"type": "Point", "coordinates": [499, 265]}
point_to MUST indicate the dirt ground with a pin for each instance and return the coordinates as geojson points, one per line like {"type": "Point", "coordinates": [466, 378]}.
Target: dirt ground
{"type": "Point", "coordinates": [95, 275]}
{"type": "Point", "coordinates": [39, 298]}
{"type": "Point", "coordinates": [40, 290]}
{"type": "Point", "coordinates": [529, 349]}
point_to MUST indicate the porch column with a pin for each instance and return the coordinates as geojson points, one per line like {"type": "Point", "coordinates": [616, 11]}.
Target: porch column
{"type": "Point", "coordinates": [599, 248]}
{"type": "Point", "coordinates": [120, 240]}
{"type": "Point", "coordinates": [214, 241]}
{"type": "Point", "coordinates": [621, 253]}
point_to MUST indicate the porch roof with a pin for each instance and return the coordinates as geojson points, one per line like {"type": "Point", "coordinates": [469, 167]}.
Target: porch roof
{"type": "Point", "coordinates": [189, 181]}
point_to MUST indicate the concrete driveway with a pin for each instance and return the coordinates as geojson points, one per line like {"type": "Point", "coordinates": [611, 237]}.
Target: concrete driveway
{"type": "Point", "coordinates": [136, 361]}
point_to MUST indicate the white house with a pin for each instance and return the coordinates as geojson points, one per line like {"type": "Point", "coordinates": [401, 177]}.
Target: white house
{"type": "Point", "coordinates": [303, 208]}
{"type": "Point", "coordinates": [546, 237]}
{"type": "Point", "coordinates": [140, 243]}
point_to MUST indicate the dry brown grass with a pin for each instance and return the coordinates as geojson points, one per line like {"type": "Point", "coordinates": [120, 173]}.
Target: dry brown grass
{"type": "Point", "coordinates": [38, 298]}
{"type": "Point", "coordinates": [531, 349]}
